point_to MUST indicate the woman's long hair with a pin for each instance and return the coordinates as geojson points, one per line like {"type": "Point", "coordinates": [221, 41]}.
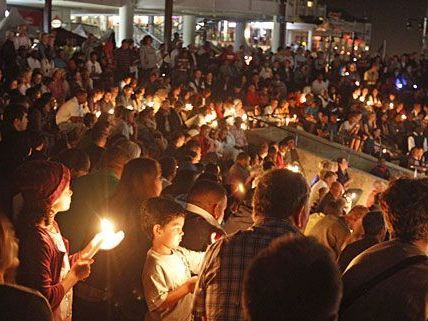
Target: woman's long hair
{"type": "Point", "coordinates": [134, 186]}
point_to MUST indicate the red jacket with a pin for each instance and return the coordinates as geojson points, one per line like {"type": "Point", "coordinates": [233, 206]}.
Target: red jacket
{"type": "Point", "coordinates": [40, 264]}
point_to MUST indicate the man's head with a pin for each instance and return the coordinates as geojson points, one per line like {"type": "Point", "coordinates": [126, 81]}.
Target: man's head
{"type": "Point", "coordinates": [336, 189]}
{"type": "Point", "coordinates": [282, 194]}
{"type": "Point", "coordinates": [342, 163]}
{"type": "Point", "coordinates": [16, 115]}
{"type": "Point", "coordinates": [334, 208]}
{"type": "Point", "coordinates": [209, 196]}
{"type": "Point", "coordinates": [295, 278]}
{"type": "Point", "coordinates": [374, 225]}
{"type": "Point", "coordinates": [117, 155]}
{"type": "Point", "coordinates": [329, 177]}
{"type": "Point", "coordinates": [243, 159]}
{"type": "Point", "coordinates": [355, 219]}
{"type": "Point", "coordinates": [405, 205]}
{"type": "Point", "coordinates": [82, 96]}
{"type": "Point", "coordinates": [162, 219]}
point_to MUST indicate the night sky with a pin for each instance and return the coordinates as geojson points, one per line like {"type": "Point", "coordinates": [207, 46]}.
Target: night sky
{"type": "Point", "coordinates": [389, 19]}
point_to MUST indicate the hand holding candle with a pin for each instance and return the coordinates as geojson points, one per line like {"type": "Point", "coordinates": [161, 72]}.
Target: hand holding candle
{"type": "Point", "coordinates": [107, 239]}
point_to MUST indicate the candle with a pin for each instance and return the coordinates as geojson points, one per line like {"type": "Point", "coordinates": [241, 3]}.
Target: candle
{"type": "Point", "coordinates": [107, 239]}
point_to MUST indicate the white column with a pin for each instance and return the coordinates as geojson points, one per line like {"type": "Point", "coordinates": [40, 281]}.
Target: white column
{"type": "Point", "coordinates": [239, 35]}
{"type": "Point", "coordinates": [151, 24]}
{"type": "Point", "coordinates": [126, 21]}
{"type": "Point", "coordinates": [2, 8]}
{"type": "Point", "coordinates": [225, 30]}
{"type": "Point", "coordinates": [189, 25]}
{"type": "Point", "coordinates": [276, 34]}
{"type": "Point", "coordinates": [289, 37]}
{"type": "Point", "coordinates": [310, 35]}
{"type": "Point", "coordinates": [103, 23]}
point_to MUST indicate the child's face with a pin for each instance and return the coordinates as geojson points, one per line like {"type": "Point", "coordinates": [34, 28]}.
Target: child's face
{"type": "Point", "coordinates": [171, 234]}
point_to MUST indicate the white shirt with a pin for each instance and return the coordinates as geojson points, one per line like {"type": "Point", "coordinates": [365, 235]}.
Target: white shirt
{"type": "Point", "coordinates": [165, 273]}
{"type": "Point", "coordinates": [64, 310]}
{"type": "Point", "coordinates": [204, 214]}
{"type": "Point", "coordinates": [93, 67]}
{"type": "Point", "coordinates": [70, 108]}
{"type": "Point", "coordinates": [22, 41]}
{"type": "Point", "coordinates": [34, 63]}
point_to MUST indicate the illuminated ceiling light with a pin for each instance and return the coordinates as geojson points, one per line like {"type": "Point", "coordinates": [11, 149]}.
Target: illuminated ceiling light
{"type": "Point", "coordinates": [56, 22]}
{"type": "Point", "coordinates": [310, 4]}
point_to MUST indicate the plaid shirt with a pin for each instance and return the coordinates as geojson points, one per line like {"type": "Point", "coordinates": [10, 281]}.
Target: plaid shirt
{"type": "Point", "coordinates": [218, 292]}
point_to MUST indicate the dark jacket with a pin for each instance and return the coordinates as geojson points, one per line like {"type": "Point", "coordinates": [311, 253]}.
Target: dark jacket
{"type": "Point", "coordinates": [353, 249]}
{"type": "Point", "coordinates": [198, 232]}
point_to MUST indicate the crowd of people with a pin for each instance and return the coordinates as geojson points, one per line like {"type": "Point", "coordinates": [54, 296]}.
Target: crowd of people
{"type": "Point", "coordinates": [214, 228]}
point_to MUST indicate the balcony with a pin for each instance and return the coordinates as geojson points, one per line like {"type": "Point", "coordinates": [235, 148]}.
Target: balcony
{"type": "Point", "coordinates": [244, 9]}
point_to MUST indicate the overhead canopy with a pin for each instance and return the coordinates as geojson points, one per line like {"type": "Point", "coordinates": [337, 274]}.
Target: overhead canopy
{"type": "Point", "coordinates": [62, 35]}
{"type": "Point", "coordinates": [85, 30]}
{"type": "Point", "coordinates": [11, 22]}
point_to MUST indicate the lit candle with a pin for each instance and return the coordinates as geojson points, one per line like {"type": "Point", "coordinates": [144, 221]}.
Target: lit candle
{"type": "Point", "coordinates": [107, 239]}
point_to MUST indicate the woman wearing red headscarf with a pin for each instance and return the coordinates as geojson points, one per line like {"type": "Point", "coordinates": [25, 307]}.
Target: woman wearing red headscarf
{"type": "Point", "coordinates": [45, 262]}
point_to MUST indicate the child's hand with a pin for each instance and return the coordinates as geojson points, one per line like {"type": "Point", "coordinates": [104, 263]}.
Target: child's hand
{"type": "Point", "coordinates": [81, 269]}
{"type": "Point", "coordinates": [191, 283]}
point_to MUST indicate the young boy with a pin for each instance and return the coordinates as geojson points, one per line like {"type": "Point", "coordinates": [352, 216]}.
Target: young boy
{"type": "Point", "coordinates": [167, 275]}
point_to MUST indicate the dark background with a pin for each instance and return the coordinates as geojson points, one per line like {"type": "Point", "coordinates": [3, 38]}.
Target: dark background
{"type": "Point", "coordinates": [389, 19]}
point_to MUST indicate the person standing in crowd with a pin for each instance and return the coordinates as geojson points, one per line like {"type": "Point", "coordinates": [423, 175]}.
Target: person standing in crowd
{"type": "Point", "coordinates": [279, 208]}
{"type": "Point", "coordinates": [205, 206]}
{"type": "Point", "coordinates": [110, 294]}
{"type": "Point", "coordinates": [389, 279]}
{"type": "Point", "coordinates": [148, 58]}
{"type": "Point", "coordinates": [374, 233]}
{"type": "Point", "coordinates": [167, 275]}
{"type": "Point", "coordinates": [44, 254]}
{"type": "Point", "coordinates": [122, 60]}
{"type": "Point", "coordinates": [335, 230]}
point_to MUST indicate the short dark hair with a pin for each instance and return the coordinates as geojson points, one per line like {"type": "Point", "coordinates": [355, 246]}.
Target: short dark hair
{"type": "Point", "coordinates": [242, 156]}
{"type": "Point", "coordinates": [328, 174]}
{"type": "Point", "coordinates": [168, 166]}
{"type": "Point", "coordinates": [405, 205]}
{"type": "Point", "coordinates": [75, 159]}
{"type": "Point", "coordinates": [295, 278]}
{"type": "Point", "coordinates": [373, 223]}
{"type": "Point", "coordinates": [202, 188]}
{"type": "Point", "coordinates": [280, 193]}
{"type": "Point", "coordinates": [13, 112]}
{"type": "Point", "coordinates": [158, 211]}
